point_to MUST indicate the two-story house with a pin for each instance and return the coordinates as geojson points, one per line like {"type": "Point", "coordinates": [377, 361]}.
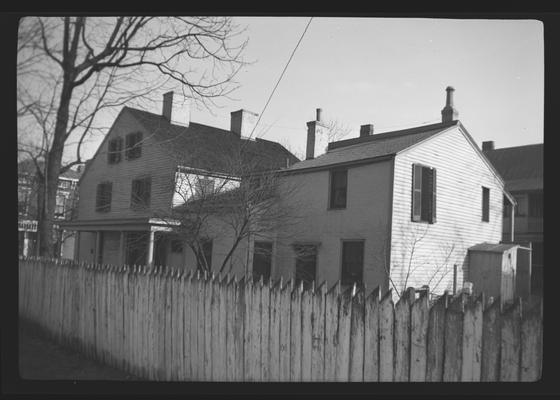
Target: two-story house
{"type": "Point", "coordinates": [522, 170]}
{"type": "Point", "coordinates": [394, 209]}
{"type": "Point", "coordinates": [27, 209]}
{"type": "Point", "coordinates": [135, 179]}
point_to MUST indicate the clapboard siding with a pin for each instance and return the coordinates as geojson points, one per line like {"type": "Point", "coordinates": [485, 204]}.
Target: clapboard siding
{"type": "Point", "coordinates": [461, 173]}
{"type": "Point", "coordinates": [155, 161]}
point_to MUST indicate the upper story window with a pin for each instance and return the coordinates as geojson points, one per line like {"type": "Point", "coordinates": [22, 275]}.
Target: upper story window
{"type": "Point", "coordinates": [114, 153]}
{"type": "Point", "coordinates": [423, 194]}
{"type": "Point", "coordinates": [485, 204]}
{"type": "Point", "coordinates": [262, 260]}
{"type": "Point", "coordinates": [133, 145]}
{"type": "Point", "coordinates": [140, 193]}
{"type": "Point", "coordinates": [64, 184]}
{"type": "Point", "coordinates": [204, 187]}
{"type": "Point", "coordinates": [60, 206]}
{"type": "Point", "coordinates": [338, 189]}
{"type": "Point", "coordinates": [103, 197]}
{"type": "Point", "coordinates": [23, 201]}
{"type": "Point", "coordinates": [352, 262]}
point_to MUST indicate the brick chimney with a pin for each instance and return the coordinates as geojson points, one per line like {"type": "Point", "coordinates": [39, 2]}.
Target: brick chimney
{"type": "Point", "coordinates": [489, 145]}
{"type": "Point", "coordinates": [449, 113]}
{"type": "Point", "coordinates": [176, 109]}
{"type": "Point", "coordinates": [243, 122]}
{"type": "Point", "coordinates": [366, 130]}
{"type": "Point", "coordinates": [317, 137]}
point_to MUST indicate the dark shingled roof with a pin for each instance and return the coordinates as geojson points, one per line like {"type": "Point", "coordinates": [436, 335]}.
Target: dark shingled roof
{"type": "Point", "coordinates": [520, 166]}
{"type": "Point", "coordinates": [374, 146]}
{"type": "Point", "coordinates": [214, 149]}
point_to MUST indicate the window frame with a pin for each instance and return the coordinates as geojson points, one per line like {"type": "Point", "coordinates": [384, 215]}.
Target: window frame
{"type": "Point", "coordinates": [203, 248]}
{"type": "Point", "coordinates": [141, 204]}
{"type": "Point", "coordinates": [431, 217]}
{"type": "Point", "coordinates": [107, 206]}
{"type": "Point", "coordinates": [115, 156]}
{"type": "Point", "coordinates": [299, 257]}
{"type": "Point", "coordinates": [485, 204]}
{"type": "Point", "coordinates": [343, 281]}
{"type": "Point", "coordinates": [134, 151]}
{"type": "Point", "coordinates": [269, 272]}
{"type": "Point", "coordinates": [331, 196]}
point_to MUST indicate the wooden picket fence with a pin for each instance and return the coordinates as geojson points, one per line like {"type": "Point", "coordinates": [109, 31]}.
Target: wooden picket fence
{"type": "Point", "coordinates": [162, 324]}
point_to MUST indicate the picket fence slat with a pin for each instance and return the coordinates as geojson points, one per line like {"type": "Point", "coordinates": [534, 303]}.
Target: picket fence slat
{"type": "Point", "coordinates": [161, 324]}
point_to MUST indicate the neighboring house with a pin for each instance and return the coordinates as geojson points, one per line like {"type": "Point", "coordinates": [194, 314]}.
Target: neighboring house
{"type": "Point", "coordinates": [134, 180]}
{"type": "Point", "coordinates": [522, 170]}
{"type": "Point", "coordinates": [394, 209]}
{"type": "Point", "coordinates": [27, 209]}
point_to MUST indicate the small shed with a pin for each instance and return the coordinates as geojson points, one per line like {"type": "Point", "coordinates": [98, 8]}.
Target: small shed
{"type": "Point", "coordinates": [492, 269]}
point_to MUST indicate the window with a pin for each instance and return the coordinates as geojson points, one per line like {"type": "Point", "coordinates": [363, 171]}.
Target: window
{"type": "Point", "coordinates": [352, 262]}
{"type": "Point", "coordinates": [114, 153]}
{"type": "Point", "coordinates": [536, 204]}
{"type": "Point", "coordinates": [339, 180]}
{"type": "Point", "coordinates": [64, 184]}
{"type": "Point", "coordinates": [103, 197]}
{"type": "Point", "coordinates": [262, 260]}
{"type": "Point", "coordinates": [176, 246]}
{"type": "Point", "coordinates": [60, 206]}
{"type": "Point", "coordinates": [133, 145]}
{"type": "Point", "coordinates": [423, 194]}
{"type": "Point", "coordinates": [522, 206]}
{"type": "Point", "coordinates": [485, 204]}
{"type": "Point", "coordinates": [22, 201]}
{"type": "Point", "coordinates": [306, 263]}
{"type": "Point", "coordinates": [140, 193]}
{"type": "Point", "coordinates": [204, 187]}
{"type": "Point", "coordinates": [204, 255]}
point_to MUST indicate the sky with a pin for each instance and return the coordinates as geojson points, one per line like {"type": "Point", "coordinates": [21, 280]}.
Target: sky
{"type": "Point", "coordinates": [392, 73]}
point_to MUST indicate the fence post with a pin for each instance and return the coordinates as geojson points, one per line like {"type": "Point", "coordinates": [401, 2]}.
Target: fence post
{"type": "Point", "coordinates": [453, 341]}
{"type": "Point", "coordinates": [419, 318]}
{"type": "Point", "coordinates": [402, 336]}
{"type": "Point", "coordinates": [342, 371]}
{"type": "Point", "coordinates": [511, 343]}
{"type": "Point", "coordinates": [490, 365]}
{"type": "Point", "coordinates": [531, 341]}
{"type": "Point", "coordinates": [371, 337]}
{"type": "Point", "coordinates": [356, 352]}
{"type": "Point", "coordinates": [306, 332]}
{"type": "Point", "coordinates": [436, 340]}
{"type": "Point", "coordinates": [295, 332]}
{"type": "Point", "coordinates": [285, 297]}
{"type": "Point", "coordinates": [386, 332]}
{"type": "Point", "coordinates": [318, 332]}
{"type": "Point", "coordinates": [472, 340]}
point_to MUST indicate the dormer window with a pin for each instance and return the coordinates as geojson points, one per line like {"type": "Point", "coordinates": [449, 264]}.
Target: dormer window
{"type": "Point", "coordinates": [114, 152]}
{"type": "Point", "coordinates": [133, 145]}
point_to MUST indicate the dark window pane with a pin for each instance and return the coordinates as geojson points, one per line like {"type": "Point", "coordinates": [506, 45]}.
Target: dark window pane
{"type": "Point", "coordinates": [140, 193]}
{"type": "Point", "coordinates": [352, 262]}
{"type": "Point", "coordinates": [485, 204]}
{"type": "Point", "coordinates": [115, 147]}
{"type": "Point", "coordinates": [423, 194]}
{"type": "Point", "coordinates": [338, 189]}
{"type": "Point", "coordinates": [204, 255]}
{"type": "Point", "coordinates": [306, 263]}
{"type": "Point", "coordinates": [103, 197]}
{"type": "Point", "coordinates": [262, 260]}
{"type": "Point", "coordinates": [133, 145]}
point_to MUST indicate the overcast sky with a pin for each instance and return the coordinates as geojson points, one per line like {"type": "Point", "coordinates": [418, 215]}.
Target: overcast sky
{"type": "Point", "coordinates": [391, 72]}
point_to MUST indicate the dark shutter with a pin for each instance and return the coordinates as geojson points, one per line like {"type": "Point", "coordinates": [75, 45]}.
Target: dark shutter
{"type": "Point", "coordinates": [429, 194]}
{"type": "Point", "coordinates": [339, 180]}
{"type": "Point", "coordinates": [416, 192]}
{"type": "Point", "coordinates": [485, 204]}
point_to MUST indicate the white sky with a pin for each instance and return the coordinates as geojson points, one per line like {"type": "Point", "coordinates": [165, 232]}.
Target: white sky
{"type": "Point", "coordinates": [391, 72]}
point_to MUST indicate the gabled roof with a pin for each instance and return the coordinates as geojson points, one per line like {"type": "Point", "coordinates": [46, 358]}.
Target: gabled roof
{"type": "Point", "coordinates": [213, 149]}
{"type": "Point", "coordinates": [520, 166]}
{"type": "Point", "coordinates": [372, 147]}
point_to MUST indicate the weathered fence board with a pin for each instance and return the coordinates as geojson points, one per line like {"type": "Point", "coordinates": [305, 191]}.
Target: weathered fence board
{"type": "Point", "coordinates": [161, 324]}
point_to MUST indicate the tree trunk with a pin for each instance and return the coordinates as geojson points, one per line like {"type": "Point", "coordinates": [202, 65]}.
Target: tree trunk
{"type": "Point", "coordinates": [52, 170]}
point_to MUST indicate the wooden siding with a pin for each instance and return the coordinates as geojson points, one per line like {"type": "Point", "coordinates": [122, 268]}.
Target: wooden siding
{"type": "Point", "coordinates": [461, 173]}
{"type": "Point", "coordinates": [155, 161]}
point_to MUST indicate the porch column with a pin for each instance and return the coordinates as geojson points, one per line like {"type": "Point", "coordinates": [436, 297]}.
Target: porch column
{"type": "Point", "coordinates": [97, 247]}
{"type": "Point", "coordinates": [25, 243]}
{"type": "Point", "coordinates": [150, 259]}
{"type": "Point", "coordinates": [121, 249]}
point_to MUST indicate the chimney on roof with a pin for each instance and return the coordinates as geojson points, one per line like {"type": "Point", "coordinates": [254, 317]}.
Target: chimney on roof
{"type": "Point", "coordinates": [175, 110]}
{"type": "Point", "coordinates": [489, 145]}
{"type": "Point", "coordinates": [366, 130]}
{"type": "Point", "coordinates": [317, 137]}
{"type": "Point", "coordinates": [243, 122]}
{"type": "Point", "coordinates": [449, 113]}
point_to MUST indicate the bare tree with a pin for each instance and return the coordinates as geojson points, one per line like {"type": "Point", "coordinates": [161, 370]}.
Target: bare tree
{"type": "Point", "coordinates": [71, 69]}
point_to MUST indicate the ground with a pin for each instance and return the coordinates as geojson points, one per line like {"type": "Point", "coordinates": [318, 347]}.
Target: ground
{"type": "Point", "coordinates": [41, 359]}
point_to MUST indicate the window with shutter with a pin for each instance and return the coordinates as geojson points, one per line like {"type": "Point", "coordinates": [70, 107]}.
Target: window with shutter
{"type": "Point", "coordinates": [133, 145]}
{"type": "Point", "coordinates": [114, 153]}
{"type": "Point", "coordinates": [103, 197]}
{"type": "Point", "coordinates": [140, 193]}
{"type": "Point", "coordinates": [338, 189]}
{"type": "Point", "coordinates": [423, 194]}
{"type": "Point", "coordinates": [204, 255]}
{"type": "Point", "coordinates": [262, 260]}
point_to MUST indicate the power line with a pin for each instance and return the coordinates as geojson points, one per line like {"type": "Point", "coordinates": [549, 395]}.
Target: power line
{"type": "Point", "coordinates": [281, 75]}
